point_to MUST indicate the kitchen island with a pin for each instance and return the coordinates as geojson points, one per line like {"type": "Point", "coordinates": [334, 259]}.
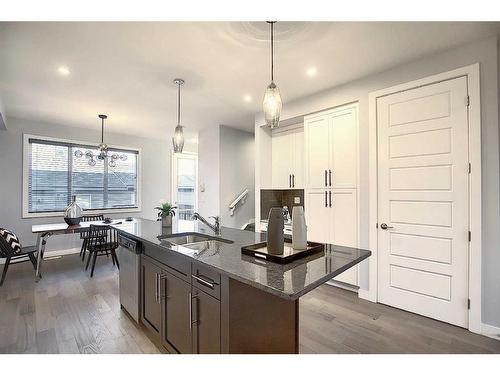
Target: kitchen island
{"type": "Point", "coordinates": [200, 294]}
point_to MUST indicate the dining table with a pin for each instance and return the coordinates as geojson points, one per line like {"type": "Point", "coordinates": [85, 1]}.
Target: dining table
{"type": "Point", "coordinates": [44, 231]}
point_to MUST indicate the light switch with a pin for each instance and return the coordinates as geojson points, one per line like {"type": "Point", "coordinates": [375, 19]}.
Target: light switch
{"type": "Point", "coordinates": [296, 200]}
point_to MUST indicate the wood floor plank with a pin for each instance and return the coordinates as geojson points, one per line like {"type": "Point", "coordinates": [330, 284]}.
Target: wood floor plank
{"type": "Point", "coordinates": [69, 312]}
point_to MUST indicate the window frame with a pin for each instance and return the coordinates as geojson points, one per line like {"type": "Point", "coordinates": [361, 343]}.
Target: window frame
{"type": "Point", "coordinates": [26, 163]}
{"type": "Point", "coordinates": [173, 175]}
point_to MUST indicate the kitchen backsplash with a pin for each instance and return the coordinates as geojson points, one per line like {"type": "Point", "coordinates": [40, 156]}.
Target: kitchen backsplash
{"type": "Point", "coordinates": [270, 198]}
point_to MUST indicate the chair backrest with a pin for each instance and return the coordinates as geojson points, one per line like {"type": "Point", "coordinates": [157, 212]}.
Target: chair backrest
{"type": "Point", "coordinates": [92, 217]}
{"type": "Point", "coordinates": [6, 251]}
{"type": "Point", "coordinates": [104, 236]}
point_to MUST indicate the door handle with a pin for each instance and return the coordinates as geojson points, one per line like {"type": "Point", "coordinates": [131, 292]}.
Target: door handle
{"type": "Point", "coordinates": [330, 177]}
{"type": "Point", "coordinates": [326, 176]}
{"type": "Point", "coordinates": [326, 199]}
{"type": "Point", "coordinates": [384, 226]}
{"type": "Point", "coordinates": [330, 197]}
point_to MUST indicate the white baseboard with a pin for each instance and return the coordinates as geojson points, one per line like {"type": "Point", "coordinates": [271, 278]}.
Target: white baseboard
{"type": "Point", "coordinates": [341, 285]}
{"type": "Point", "coordinates": [364, 294]}
{"type": "Point", "coordinates": [490, 331]}
{"type": "Point", "coordinates": [54, 253]}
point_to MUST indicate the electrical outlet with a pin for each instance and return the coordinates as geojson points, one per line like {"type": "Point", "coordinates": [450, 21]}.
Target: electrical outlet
{"type": "Point", "coordinates": [296, 200]}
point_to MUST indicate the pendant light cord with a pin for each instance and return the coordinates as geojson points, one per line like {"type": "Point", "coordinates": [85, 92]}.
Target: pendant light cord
{"type": "Point", "coordinates": [102, 130]}
{"type": "Point", "coordinates": [178, 103]}
{"type": "Point", "coordinates": [272, 51]}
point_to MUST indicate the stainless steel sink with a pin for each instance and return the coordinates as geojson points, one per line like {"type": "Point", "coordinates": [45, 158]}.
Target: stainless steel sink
{"type": "Point", "coordinates": [196, 241]}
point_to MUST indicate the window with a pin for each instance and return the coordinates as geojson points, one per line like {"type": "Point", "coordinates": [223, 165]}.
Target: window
{"type": "Point", "coordinates": [53, 174]}
{"type": "Point", "coordinates": [184, 180]}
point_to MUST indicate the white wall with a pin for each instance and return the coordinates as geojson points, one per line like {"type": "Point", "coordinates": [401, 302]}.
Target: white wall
{"type": "Point", "coordinates": [155, 173]}
{"type": "Point", "coordinates": [225, 168]}
{"type": "Point", "coordinates": [483, 52]}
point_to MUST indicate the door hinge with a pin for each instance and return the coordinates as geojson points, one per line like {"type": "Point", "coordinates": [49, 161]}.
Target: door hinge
{"type": "Point", "coordinates": [468, 303]}
{"type": "Point", "coordinates": [470, 236]}
{"type": "Point", "coordinates": [470, 168]}
{"type": "Point", "coordinates": [467, 101]}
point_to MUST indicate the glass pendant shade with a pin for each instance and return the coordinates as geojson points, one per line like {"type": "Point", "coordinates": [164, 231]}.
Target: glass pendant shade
{"type": "Point", "coordinates": [178, 139]}
{"type": "Point", "coordinates": [272, 106]}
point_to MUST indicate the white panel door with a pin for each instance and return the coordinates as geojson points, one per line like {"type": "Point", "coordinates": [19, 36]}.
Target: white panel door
{"type": "Point", "coordinates": [345, 227]}
{"type": "Point", "coordinates": [282, 160]}
{"type": "Point", "coordinates": [423, 199]}
{"type": "Point", "coordinates": [344, 149]}
{"type": "Point", "coordinates": [298, 160]}
{"type": "Point", "coordinates": [317, 146]}
{"type": "Point", "coordinates": [318, 216]}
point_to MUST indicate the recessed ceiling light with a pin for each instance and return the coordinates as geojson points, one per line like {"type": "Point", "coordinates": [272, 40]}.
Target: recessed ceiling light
{"type": "Point", "coordinates": [312, 71]}
{"type": "Point", "coordinates": [63, 70]}
{"type": "Point", "coordinates": [247, 98]}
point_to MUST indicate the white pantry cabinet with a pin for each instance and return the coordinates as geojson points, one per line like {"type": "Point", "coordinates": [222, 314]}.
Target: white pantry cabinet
{"type": "Point", "coordinates": [288, 159]}
{"type": "Point", "coordinates": [331, 217]}
{"type": "Point", "coordinates": [331, 148]}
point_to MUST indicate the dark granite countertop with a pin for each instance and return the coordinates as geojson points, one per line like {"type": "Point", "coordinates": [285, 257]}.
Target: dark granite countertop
{"type": "Point", "coordinates": [289, 281]}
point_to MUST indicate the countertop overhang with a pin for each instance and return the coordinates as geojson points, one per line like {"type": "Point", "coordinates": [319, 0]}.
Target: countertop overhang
{"type": "Point", "coordinates": [289, 281]}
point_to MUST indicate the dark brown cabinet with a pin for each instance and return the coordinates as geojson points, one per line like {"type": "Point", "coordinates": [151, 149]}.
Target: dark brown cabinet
{"type": "Point", "coordinates": [206, 323]}
{"type": "Point", "coordinates": [150, 295]}
{"type": "Point", "coordinates": [176, 313]}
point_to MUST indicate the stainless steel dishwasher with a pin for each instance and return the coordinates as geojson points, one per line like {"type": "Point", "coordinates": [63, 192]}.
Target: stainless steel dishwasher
{"type": "Point", "coordinates": [129, 252]}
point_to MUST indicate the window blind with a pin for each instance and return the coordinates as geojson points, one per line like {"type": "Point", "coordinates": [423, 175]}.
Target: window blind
{"type": "Point", "coordinates": [55, 175]}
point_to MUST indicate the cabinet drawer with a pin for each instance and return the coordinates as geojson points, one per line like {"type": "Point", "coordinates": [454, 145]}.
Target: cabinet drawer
{"type": "Point", "coordinates": [180, 266]}
{"type": "Point", "coordinates": [206, 279]}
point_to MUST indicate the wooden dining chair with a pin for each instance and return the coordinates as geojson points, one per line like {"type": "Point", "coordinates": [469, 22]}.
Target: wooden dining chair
{"type": "Point", "coordinates": [84, 235]}
{"type": "Point", "coordinates": [102, 240]}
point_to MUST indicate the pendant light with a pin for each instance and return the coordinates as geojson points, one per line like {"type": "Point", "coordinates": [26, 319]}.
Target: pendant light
{"type": "Point", "coordinates": [272, 99]}
{"type": "Point", "coordinates": [103, 151]}
{"type": "Point", "coordinates": [178, 138]}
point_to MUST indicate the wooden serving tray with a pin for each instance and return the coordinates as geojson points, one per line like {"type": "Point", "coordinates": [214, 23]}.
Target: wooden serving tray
{"type": "Point", "coordinates": [259, 250]}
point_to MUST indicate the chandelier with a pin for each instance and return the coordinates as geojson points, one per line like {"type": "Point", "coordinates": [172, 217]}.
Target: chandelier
{"type": "Point", "coordinates": [178, 138]}
{"type": "Point", "coordinates": [103, 153]}
{"type": "Point", "coordinates": [272, 99]}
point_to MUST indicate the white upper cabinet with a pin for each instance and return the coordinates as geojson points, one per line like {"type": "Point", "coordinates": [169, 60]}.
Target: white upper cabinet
{"type": "Point", "coordinates": [287, 160]}
{"type": "Point", "coordinates": [331, 140]}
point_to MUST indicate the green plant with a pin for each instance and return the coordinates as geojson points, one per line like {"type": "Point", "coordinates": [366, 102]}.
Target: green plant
{"type": "Point", "coordinates": [166, 209]}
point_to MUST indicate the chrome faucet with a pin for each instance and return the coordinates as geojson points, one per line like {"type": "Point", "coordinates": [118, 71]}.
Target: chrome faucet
{"type": "Point", "coordinates": [215, 227]}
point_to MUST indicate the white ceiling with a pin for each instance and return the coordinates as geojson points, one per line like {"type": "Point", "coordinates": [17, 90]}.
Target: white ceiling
{"type": "Point", "coordinates": [126, 69]}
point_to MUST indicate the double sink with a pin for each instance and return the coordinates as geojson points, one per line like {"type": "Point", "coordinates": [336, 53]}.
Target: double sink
{"type": "Point", "coordinates": [195, 241]}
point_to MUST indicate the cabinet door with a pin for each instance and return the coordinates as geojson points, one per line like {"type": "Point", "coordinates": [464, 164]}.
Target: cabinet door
{"type": "Point", "coordinates": [298, 160]}
{"type": "Point", "coordinates": [282, 160]}
{"type": "Point", "coordinates": [317, 216]}
{"type": "Point", "coordinates": [150, 304]}
{"type": "Point", "coordinates": [176, 313]}
{"type": "Point", "coordinates": [345, 227]}
{"type": "Point", "coordinates": [344, 149]}
{"type": "Point", "coordinates": [317, 150]}
{"type": "Point", "coordinates": [206, 326]}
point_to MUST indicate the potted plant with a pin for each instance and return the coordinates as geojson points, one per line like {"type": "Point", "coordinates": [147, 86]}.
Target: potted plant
{"type": "Point", "coordinates": [165, 213]}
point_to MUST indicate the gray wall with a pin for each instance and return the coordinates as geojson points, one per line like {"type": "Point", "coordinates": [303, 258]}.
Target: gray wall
{"type": "Point", "coordinates": [209, 171]}
{"type": "Point", "coordinates": [236, 174]}
{"type": "Point", "coordinates": [225, 168]}
{"type": "Point", "coordinates": [483, 52]}
{"type": "Point", "coordinates": [155, 173]}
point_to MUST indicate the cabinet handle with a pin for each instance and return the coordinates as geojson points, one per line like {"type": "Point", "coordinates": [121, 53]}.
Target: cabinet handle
{"type": "Point", "coordinates": [190, 310]}
{"type": "Point", "coordinates": [326, 176]}
{"type": "Point", "coordinates": [330, 197]}
{"type": "Point", "coordinates": [204, 282]}
{"type": "Point", "coordinates": [157, 292]}
{"type": "Point", "coordinates": [160, 296]}
{"type": "Point", "coordinates": [293, 180]}
{"type": "Point", "coordinates": [330, 177]}
{"type": "Point", "coordinates": [326, 199]}
{"type": "Point", "coordinates": [289, 180]}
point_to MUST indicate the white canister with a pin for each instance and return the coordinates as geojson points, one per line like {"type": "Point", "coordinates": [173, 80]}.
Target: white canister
{"type": "Point", "coordinates": [299, 228]}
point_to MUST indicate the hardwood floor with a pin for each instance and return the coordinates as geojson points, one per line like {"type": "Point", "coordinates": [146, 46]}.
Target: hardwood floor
{"type": "Point", "coordinates": [68, 312]}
